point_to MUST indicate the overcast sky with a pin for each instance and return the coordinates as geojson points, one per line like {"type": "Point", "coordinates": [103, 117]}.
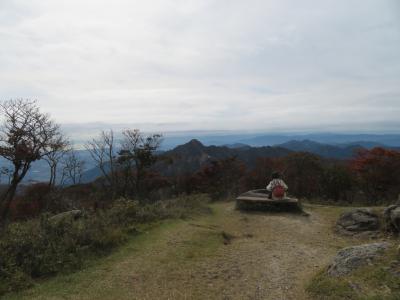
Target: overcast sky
{"type": "Point", "coordinates": [206, 64]}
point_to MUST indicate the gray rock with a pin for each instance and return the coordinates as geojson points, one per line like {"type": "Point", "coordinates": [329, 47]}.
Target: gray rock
{"type": "Point", "coordinates": [67, 216]}
{"type": "Point", "coordinates": [351, 258]}
{"type": "Point", "coordinates": [392, 218]}
{"type": "Point", "coordinates": [395, 218]}
{"type": "Point", "coordinates": [371, 235]}
{"type": "Point", "coordinates": [358, 220]}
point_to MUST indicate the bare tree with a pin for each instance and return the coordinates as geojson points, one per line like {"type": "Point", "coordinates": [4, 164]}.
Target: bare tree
{"type": "Point", "coordinates": [58, 149]}
{"type": "Point", "coordinates": [73, 168]}
{"type": "Point", "coordinates": [138, 153]}
{"type": "Point", "coordinates": [102, 151]}
{"type": "Point", "coordinates": [25, 136]}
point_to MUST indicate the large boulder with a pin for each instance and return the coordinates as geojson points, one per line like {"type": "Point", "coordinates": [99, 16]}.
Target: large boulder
{"type": "Point", "coordinates": [358, 220]}
{"type": "Point", "coordinates": [351, 258]}
{"type": "Point", "coordinates": [67, 216]}
{"type": "Point", "coordinates": [391, 215]}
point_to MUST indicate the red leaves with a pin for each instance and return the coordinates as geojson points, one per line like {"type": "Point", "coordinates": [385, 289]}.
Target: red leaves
{"type": "Point", "coordinates": [378, 171]}
{"type": "Point", "coordinates": [376, 159]}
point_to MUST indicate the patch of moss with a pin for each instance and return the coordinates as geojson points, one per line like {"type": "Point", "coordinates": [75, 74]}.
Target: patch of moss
{"type": "Point", "coordinates": [325, 287]}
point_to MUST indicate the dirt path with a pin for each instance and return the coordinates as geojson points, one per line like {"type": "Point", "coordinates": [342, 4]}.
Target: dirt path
{"type": "Point", "coordinates": [228, 255]}
{"type": "Point", "coordinates": [270, 256]}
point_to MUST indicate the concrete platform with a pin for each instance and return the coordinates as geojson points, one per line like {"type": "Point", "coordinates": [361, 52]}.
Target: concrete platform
{"type": "Point", "coordinates": [258, 200]}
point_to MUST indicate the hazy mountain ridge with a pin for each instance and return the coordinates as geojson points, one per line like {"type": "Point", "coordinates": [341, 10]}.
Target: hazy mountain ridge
{"type": "Point", "coordinates": [192, 155]}
{"type": "Point", "coordinates": [324, 150]}
{"type": "Point", "coordinates": [189, 156]}
{"type": "Point", "coordinates": [388, 140]}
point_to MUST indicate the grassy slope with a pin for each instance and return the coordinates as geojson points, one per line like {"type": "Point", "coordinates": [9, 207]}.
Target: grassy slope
{"type": "Point", "coordinates": [226, 255]}
{"type": "Point", "coordinates": [151, 253]}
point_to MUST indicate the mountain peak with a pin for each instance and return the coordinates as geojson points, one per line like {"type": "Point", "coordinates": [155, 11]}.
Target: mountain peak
{"type": "Point", "coordinates": [195, 143]}
{"type": "Point", "coordinates": [193, 146]}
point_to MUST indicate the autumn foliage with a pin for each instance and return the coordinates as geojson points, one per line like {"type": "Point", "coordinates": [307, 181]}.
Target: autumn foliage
{"type": "Point", "coordinates": [371, 177]}
{"type": "Point", "coordinates": [378, 173]}
{"type": "Point", "coordinates": [220, 178]}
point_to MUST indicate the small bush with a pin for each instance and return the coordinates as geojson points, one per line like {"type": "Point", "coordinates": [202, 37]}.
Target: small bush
{"type": "Point", "coordinates": [123, 212]}
{"type": "Point", "coordinates": [180, 207]}
{"type": "Point", "coordinates": [109, 239]}
{"type": "Point", "coordinates": [324, 287]}
{"type": "Point", "coordinates": [13, 281]}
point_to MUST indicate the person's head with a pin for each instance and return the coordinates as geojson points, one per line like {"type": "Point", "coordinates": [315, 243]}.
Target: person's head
{"type": "Point", "coordinates": [276, 175]}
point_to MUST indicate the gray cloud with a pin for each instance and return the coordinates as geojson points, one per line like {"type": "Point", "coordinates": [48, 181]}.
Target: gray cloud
{"type": "Point", "coordinates": [206, 64]}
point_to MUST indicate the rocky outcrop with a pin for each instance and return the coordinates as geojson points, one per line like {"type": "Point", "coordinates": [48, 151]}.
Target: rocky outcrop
{"type": "Point", "coordinates": [357, 221]}
{"type": "Point", "coordinates": [67, 216]}
{"type": "Point", "coordinates": [391, 216]}
{"type": "Point", "coordinates": [351, 258]}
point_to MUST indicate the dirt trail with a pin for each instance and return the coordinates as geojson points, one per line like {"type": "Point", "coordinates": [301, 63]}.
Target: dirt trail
{"type": "Point", "coordinates": [229, 255]}
{"type": "Point", "coordinates": [270, 256]}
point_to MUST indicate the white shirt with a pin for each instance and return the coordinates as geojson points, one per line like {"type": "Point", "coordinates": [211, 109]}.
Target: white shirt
{"type": "Point", "coordinates": [276, 182]}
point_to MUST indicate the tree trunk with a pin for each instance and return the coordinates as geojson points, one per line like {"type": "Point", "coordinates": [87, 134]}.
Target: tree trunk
{"type": "Point", "coordinates": [53, 173]}
{"type": "Point", "coordinates": [51, 181]}
{"type": "Point", "coordinates": [139, 176]}
{"type": "Point", "coordinates": [6, 201]}
{"type": "Point", "coordinates": [10, 193]}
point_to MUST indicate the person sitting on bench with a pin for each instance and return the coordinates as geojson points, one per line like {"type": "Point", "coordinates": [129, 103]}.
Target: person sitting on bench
{"type": "Point", "coordinates": [277, 187]}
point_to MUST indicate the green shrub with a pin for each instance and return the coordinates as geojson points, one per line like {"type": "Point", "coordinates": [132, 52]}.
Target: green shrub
{"type": "Point", "coordinates": [123, 212]}
{"type": "Point", "coordinates": [12, 280]}
{"type": "Point", "coordinates": [325, 287]}
{"type": "Point", "coordinates": [41, 248]}
{"type": "Point", "coordinates": [108, 239]}
{"type": "Point", "coordinates": [180, 207]}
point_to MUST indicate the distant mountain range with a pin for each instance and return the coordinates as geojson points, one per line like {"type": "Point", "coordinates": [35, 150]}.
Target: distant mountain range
{"type": "Point", "coordinates": [189, 155]}
{"type": "Point", "coordinates": [368, 140]}
{"type": "Point", "coordinates": [324, 150]}
{"type": "Point", "coordinates": [257, 140]}
{"type": "Point", "coordinates": [40, 172]}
